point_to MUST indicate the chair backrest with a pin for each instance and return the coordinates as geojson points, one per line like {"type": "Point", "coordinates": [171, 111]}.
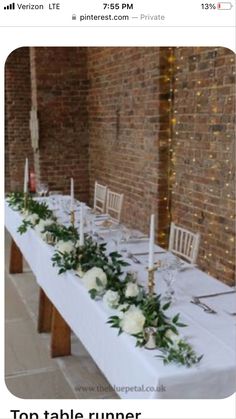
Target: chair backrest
{"type": "Point", "coordinates": [184, 243]}
{"type": "Point", "coordinates": [100, 195]}
{"type": "Point", "coordinates": [114, 204]}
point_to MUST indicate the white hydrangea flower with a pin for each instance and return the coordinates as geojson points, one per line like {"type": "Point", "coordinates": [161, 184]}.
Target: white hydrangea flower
{"type": "Point", "coordinates": [132, 290]}
{"type": "Point", "coordinates": [95, 278]}
{"type": "Point", "coordinates": [65, 247]}
{"type": "Point", "coordinates": [111, 299]}
{"type": "Point", "coordinates": [133, 321]}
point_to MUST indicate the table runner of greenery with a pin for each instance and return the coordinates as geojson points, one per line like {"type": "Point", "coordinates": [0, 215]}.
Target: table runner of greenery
{"type": "Point", "coordinates": [102, 274]}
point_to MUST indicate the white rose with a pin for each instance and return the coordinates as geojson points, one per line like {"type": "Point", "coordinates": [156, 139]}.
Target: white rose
{"type": "Point", "coordinates": [42, 224]}
{"type": "Point", "coordinates": [132, 290]}
{"type": "Point", "coordinates": [32, 218]}
{"type": "Point", "coordinates": [133, 321]}
{"type": "Point", "coordinates": [111, 299]}
{"type": "Point", "coordinates": [95, 278]}
{"type": "Point", "coordinates": [65, 247]}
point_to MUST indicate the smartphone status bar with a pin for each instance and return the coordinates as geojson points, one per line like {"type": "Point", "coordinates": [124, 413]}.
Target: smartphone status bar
{"type": "Point", "coordinates": [120, 13]}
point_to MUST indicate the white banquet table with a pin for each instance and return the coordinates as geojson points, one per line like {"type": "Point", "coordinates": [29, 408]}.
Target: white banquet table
{"type": "Point", "coordinates": [136, 373]}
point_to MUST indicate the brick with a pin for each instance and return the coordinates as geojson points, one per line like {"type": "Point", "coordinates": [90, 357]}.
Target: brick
{"type": "Point", "coordinates": [108, 114]}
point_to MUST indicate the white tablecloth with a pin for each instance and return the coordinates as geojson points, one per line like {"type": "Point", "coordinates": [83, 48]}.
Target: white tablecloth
{"type": "Point", "coordinates": [136, 372]}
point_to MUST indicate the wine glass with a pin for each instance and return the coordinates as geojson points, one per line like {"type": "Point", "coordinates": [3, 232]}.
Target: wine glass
{"type": "Point", "coordinates": [42, 189]}
{"type": "Point", "coordinates": [126, 234]}
{"type": "Point", "coordinates": [45, 189]}
{"type": "Point", "coordinates": [169, 276]}
{"type": "Point", "coordinates": [89, 217]}
{"type": "Point", "coordinates": [170, 271]}
{"type": "Point", "coordinates": [39, 189]}
{"type": "Point", "coordinates": [117, 236]}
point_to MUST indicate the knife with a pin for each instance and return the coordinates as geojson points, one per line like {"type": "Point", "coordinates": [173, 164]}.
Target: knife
{"type": "Point", "coordinates": [204, 306]}
{"type": "Point", "coordinates": [146, 253]}
{"type": "Point", "coordinates": [216, 294]}
{"type": "Point", "coordinates": [135, 240]}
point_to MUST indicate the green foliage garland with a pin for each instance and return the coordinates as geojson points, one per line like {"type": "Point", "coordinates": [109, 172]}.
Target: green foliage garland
{"type": "Point", "coordinates": [92, 254]}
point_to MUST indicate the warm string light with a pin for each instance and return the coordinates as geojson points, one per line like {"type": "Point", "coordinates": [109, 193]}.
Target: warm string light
{"type": "Point", "coordinates": [174, 181]}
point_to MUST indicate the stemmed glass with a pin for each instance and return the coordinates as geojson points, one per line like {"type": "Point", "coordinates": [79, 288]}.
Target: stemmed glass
{"type": "Point", "coordinates": [170, 271]}
{"type": "Point", "coordinates": [90, 221]}
{"type": "Point", "coordinates": [90, 217]}
{"type": "Point", "coordinates": [42, 189]}
{"type": "Point", "coordinates": [126, 234]}
{"type": "Point", "coordinates": [117, 236]}
{"type": "Point", "coordinates": [169, 277]}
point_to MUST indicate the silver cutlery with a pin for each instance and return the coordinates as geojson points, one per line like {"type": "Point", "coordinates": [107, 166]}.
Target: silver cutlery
{"type": "Point", "coordinates": [215, 295]}
{"type": "Point", "coordinates": [187, 267]}
{"type": "Point", "coordinates": [204, 306]}
{"type": "Point", "coordinates": [133, 258]}
{"type": "Point", "coordinates": [231, 314]}
{"type": "Point", "coordinates": [135, 240]}
{"type": "Point", "coordinates": [146, 253]}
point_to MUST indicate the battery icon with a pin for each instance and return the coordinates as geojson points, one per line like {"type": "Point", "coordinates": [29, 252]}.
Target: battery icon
{"type": "Point", "coordinates": [224, 5]}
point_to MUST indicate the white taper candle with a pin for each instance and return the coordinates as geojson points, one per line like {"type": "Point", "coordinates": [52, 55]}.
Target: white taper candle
{"type": "Point", "coordinates": [81, 225]}
{"type": "Point", "coordinates": [26, 175]}
{"type": "Point", "coordinates": [151, 242]}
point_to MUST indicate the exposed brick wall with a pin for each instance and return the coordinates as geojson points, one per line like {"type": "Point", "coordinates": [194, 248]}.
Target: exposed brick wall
{"type": "Point", "coordinates": [17, 108]}
{"type": "Point", "coordinates": [133, 113]}
{"type": "Point", "coordinates": [126, 91]}
{"type": "Point", "coordinates": [203, 196]}
{"type": "Point", "coordinates": [61, 90]}
{"type": "Point", "coordinates": [156, 124]}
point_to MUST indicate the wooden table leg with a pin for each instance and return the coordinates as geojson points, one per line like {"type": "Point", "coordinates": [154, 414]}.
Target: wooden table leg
{"type": "Point", "coordinates": [60, 338]}
{"type": "Point", "coordinates": [45, 313]}
{"type": "Point", "coordinates": [16, 259]}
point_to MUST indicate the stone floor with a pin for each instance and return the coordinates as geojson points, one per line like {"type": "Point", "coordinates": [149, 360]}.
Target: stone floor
{"type": "Point", "coordinates": [29, 371]}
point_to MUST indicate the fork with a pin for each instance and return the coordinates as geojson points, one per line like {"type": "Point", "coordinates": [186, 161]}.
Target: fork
{"type": "Point", "coordinates": [205, 307]}
{"type": "Point", "coordinates": [231, 314]}
{"type": "Point", "coordinates": [133, 258]}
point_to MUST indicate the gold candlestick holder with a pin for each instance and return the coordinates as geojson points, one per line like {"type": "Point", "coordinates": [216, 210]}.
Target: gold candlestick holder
{"type": "Point", "coordinates": [25, 201]}
{"type": "Point", "coordinates": [72, 217]}
{"type": "Point", "coordinates": [151, 280]}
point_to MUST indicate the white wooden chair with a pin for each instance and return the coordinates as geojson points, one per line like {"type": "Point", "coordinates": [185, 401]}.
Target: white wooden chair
{"type": "Point", "coordinates": [100, 195]}
{"type": "Point", "coordinates": [114, 205]}
{"type": "Point", "coordinates": [184, 243]}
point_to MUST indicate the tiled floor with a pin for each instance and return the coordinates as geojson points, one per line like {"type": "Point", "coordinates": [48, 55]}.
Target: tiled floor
{"type": "Point", "coordinates": [29, 370]}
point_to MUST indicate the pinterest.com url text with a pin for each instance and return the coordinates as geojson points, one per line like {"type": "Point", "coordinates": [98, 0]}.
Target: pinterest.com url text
{"type": "Point", "coordinates": [102, 17]}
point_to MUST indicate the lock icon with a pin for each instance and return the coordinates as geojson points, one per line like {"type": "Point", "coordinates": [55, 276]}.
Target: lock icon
{"type": "Point", "coordinates": [74, 16]}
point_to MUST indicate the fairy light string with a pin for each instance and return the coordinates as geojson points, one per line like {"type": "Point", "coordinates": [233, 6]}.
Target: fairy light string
{"type": "Point", "coordinates": [214, 225]}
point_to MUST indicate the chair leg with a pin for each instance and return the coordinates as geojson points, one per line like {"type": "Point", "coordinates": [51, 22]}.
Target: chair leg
{"type": "Point", "coordinates": [45, 313]}
{"type": "Point", "coordinates": [16, 259]}
{"type": "Point", "coordinates": [60, 338]}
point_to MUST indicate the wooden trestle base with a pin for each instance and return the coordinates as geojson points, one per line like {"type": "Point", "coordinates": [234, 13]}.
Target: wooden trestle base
{"type": "Point", "coordinates": [49, 318]}
{"type": "Point", "coordinates": [16, 259]}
